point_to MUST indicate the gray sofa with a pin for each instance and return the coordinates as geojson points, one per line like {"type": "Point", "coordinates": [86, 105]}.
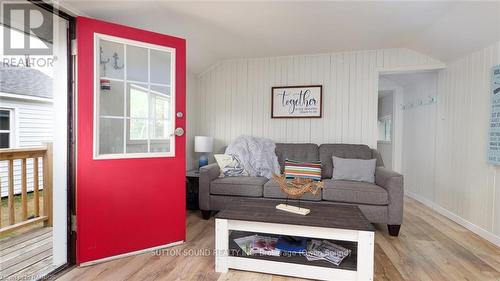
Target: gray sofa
{"type": "Point", "coordinates": [381, 202]}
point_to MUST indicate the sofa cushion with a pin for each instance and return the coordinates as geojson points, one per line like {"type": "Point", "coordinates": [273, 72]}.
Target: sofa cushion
{"type": "Point", "coordinates": [353, 151]}
{"type": "Point", "coordinates": [354, 192]}
{"type": "Point", "coordinates": [354, 169]}
{"type": "Point", "coordinates": [272, 190]}
{"type": "Point", "coordinates": [238, 186]}
{"type": "Point", "coordinates": [297, 151]}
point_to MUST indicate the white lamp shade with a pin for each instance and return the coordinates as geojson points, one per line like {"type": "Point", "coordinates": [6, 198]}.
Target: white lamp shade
{"type": "Point", "coordinates": [203, 144]}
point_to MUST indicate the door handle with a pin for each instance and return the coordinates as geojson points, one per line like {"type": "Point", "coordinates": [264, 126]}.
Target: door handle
{"type": "Point", "coordinates": [179, 132]}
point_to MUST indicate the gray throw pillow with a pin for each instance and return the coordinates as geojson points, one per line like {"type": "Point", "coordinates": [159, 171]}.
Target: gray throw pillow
{"type": "Point", "coordinates": [354, 169]}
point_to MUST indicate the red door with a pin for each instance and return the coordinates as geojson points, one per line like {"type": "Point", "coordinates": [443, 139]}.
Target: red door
{"type": "Point", "coordinates": [130, 167]}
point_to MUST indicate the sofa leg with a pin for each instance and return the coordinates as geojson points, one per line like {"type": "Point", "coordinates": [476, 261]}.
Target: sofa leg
{"type": "Point", "coordinates": [206, 214]}
{"type": "Point", "coordinates": [393, 229]}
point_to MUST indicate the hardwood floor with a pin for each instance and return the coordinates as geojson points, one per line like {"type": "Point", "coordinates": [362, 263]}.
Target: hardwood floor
{"type": "Point", "coordinates": [429, 247]}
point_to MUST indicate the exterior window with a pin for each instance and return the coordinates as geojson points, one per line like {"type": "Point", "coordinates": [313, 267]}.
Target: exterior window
{"type": "Point", "coordinates": [5, 128]}
{"type": "Point", "coordinates": [385, 128]}
{"type": "Point", "coordinates": [134, 99]}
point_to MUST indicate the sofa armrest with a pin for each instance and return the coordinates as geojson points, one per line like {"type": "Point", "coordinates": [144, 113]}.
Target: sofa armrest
{"type": "Point", "coordinates": [394, 184]}
{"type": "Point", "coordinates": [207, 174]}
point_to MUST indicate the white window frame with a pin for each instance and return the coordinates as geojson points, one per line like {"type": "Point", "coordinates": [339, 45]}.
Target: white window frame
{"type": "Point", "coordinates": [125, 155]}
{"type": "Point", "coordinates": [11, 131]}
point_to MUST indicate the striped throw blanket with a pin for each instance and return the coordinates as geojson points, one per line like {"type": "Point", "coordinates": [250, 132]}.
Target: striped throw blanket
{"type": "Point", "coordinates": [298, 169]}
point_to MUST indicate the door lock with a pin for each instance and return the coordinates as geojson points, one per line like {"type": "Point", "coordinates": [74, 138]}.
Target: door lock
{"type": "Point", "coordinates": [179, 131]}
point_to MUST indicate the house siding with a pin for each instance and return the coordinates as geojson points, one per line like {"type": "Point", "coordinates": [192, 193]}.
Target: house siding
{"type": "Point", "coordinates": [33, 125]}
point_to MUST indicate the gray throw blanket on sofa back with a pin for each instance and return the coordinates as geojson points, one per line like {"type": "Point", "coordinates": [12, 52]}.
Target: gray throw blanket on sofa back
{"type": "Point", "coordinates": [257, 155]}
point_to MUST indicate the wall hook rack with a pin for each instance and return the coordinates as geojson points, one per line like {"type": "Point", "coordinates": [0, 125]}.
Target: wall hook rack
{"type": "Point", "coordinates": [420, 102]}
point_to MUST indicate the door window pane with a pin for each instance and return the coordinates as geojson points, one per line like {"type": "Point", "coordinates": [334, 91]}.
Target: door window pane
{"type": "Point", "coordinates": [137, 64]}
{"type": "Point", "coordinates": [137, 100]}
{"type": "Point", "coordinates": [111, 63]}
{"type": "Point", "coordinates": [110, 135]}
{"type": "Point", "coordinates": [160, 67]}
{"type": "Point", "coordinates": [111, 98]}
{"type": "Point", "coordinates": [160, 129]}
{"type": "Point", "coordinates": [138, 146]}
{"type": "Point", "coordinates": [137, 140]}
{"type": "Point", "coordinates": [138, 129]}
{"type": "Point", "coordinates": [161, 107]}
{"type": "Point", "coordinates": [160, 145]}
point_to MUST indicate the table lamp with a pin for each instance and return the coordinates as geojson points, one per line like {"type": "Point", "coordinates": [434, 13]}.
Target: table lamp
{"type": "Point", "coordinates": [203, 145]}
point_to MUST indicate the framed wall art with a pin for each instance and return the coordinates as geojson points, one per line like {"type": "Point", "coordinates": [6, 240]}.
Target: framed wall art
{"type": "Point", "coordinates": [296, 102]}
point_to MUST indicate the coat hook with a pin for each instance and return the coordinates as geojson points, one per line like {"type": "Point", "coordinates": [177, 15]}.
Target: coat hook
{"type": "Point", "coordinates": [101, 61]}
{"type": "Point", "coordinates": [115, 63]}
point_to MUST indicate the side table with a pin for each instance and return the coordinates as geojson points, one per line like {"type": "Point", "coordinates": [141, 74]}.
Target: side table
{"type": "Point", "coordinates": [192, 183]}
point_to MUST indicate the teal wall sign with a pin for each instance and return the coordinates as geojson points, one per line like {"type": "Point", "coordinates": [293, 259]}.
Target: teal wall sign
{"type": "Point", "coordinates": [494, 139]}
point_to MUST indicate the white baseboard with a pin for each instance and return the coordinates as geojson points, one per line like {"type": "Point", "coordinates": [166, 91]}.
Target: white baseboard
{"type": "Point", "coordinates": [130, 254]}
{"type": "Point", "coordinates": [461, 221]}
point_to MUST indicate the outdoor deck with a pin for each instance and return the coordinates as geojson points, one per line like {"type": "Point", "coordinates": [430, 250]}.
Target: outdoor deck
{"type": "Point", "coordinates": [25, 213]}
{"type": "Point", "coordinates": [27, 256]}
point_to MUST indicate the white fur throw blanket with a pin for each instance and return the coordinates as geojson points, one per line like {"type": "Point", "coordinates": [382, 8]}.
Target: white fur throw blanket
{"type": "Point", "coordinates": [257, 155]}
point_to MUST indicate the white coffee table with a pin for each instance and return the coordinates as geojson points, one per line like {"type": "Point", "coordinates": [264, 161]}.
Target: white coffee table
{"type": "Point", "coordinates": [343, 223]}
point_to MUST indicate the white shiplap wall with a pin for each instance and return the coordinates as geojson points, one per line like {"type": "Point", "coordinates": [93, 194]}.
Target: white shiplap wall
{"type": "Point", "coordinates": [444, 159]}
{"type": "Point", "coordinates": [465, 184]}
{"type": "Point", "coordinates": [419, 133]}
{"type": "Point", "coordinates": [234, 96]}
{"type": "Point", "coordinates": [191, 120]}
{"type": "Point", "coordinates": [33, 125]}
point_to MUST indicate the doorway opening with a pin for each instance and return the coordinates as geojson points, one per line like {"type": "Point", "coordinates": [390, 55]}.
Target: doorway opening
{"type": "Point", "coordinates": [407, 118]}
{"type": "Point", "coordinates": [35, 91]}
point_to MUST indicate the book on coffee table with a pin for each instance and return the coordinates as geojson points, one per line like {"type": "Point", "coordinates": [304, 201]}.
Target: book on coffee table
{"type": "Point", "coordinates": [292, 245]}
{"type": "Point", "coordinates": [264, 245]}
{"type": "Point", "coordinates": [258, 245]}
{"type": "Point", "coordinates": [326, 250]}
{"type": "Point", "coordinates": [245, 243]}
